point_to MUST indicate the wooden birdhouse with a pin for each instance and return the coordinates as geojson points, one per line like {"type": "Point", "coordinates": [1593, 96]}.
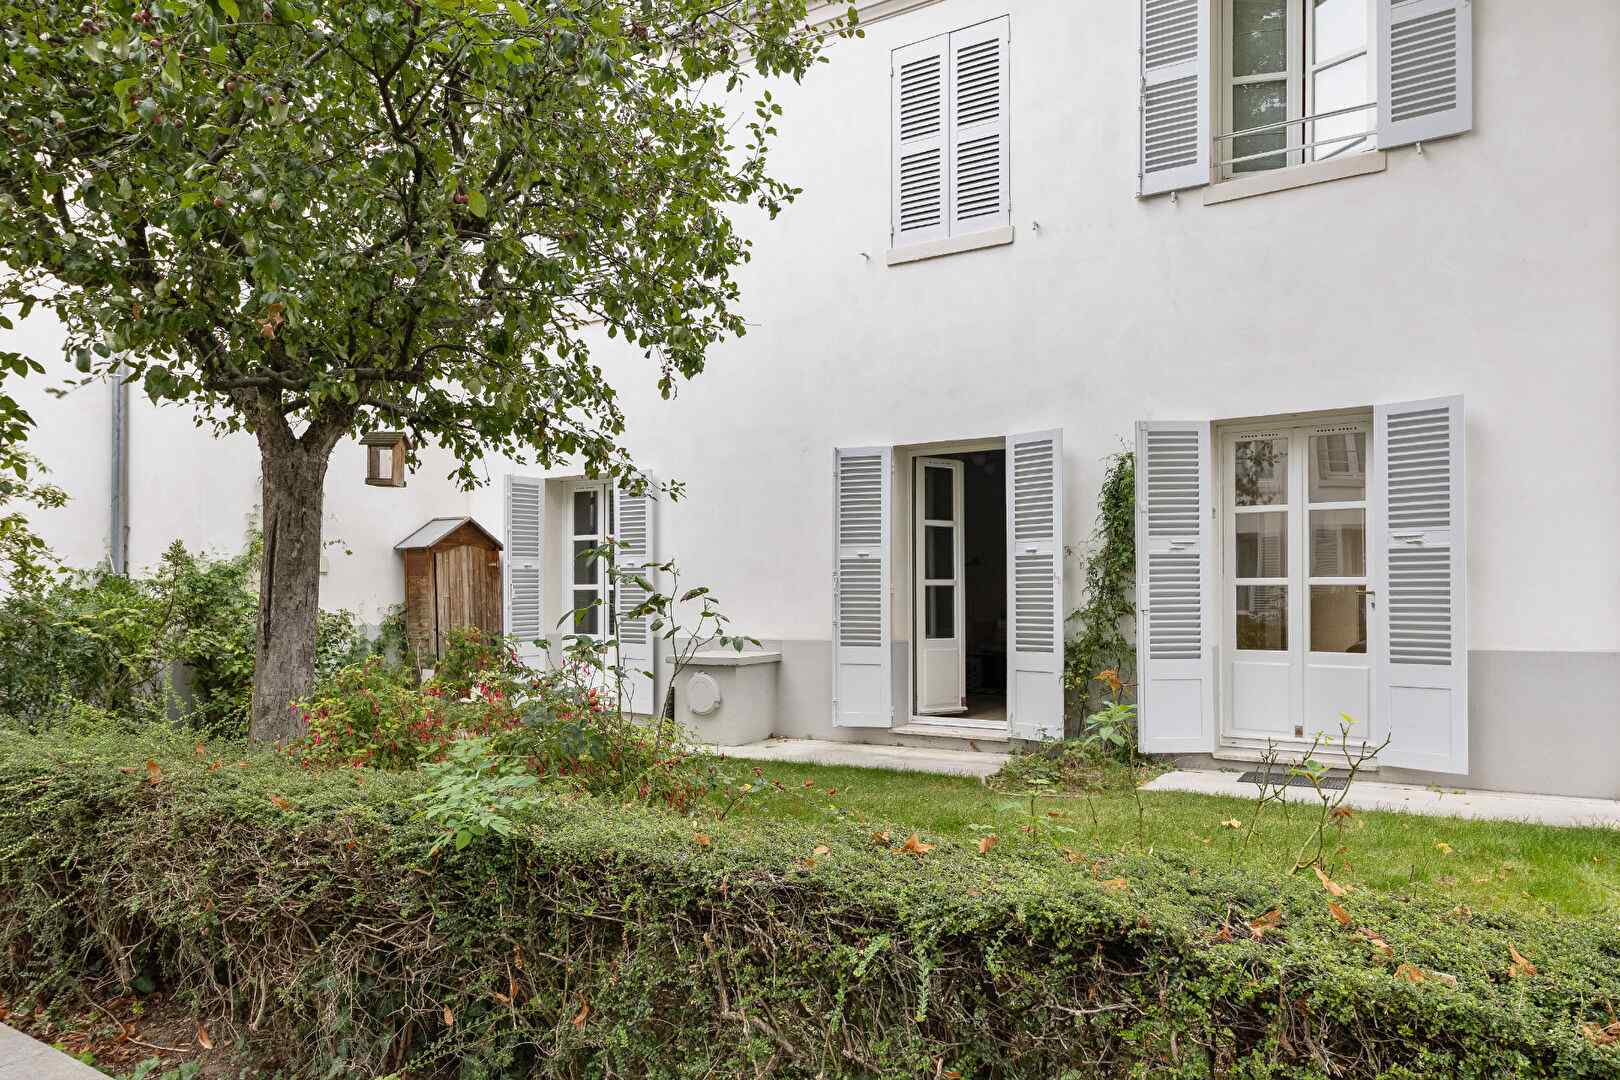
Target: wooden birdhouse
{"type": "Point", "coordinates": [385, 458]}
{"type": "Point", "coordinates": [452, 579]}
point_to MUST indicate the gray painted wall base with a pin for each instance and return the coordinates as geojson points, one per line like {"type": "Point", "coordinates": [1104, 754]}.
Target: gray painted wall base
{"type": "Point", "coordinates": [22, 1058]}
{"type": "Point", "coordinates": [1540, 722]}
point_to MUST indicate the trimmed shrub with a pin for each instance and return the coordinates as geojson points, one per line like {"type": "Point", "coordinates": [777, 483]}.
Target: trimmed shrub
{"type": "Point", "coordinates": [310, 908]}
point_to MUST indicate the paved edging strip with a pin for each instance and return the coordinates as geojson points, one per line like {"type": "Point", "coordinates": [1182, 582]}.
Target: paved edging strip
{"type": "Point", "coordinates": [1566, 810]}
{"type": "Point", "coordinates": [869, 756]}
{"type": "Point", "coordinates": [23, 1058]}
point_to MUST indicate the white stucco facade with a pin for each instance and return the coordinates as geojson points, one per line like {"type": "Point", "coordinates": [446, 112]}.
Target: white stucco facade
{"type": "Point", "coordinates": [1486, 266]}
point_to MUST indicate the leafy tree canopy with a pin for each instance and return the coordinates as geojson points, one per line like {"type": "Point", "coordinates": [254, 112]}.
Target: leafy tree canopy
{"type": "Point", "coordinates": [312, 217]}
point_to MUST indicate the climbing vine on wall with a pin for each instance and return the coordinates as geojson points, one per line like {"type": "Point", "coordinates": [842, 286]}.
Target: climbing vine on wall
{"type": "Point", "coordinates": [1100, 640]}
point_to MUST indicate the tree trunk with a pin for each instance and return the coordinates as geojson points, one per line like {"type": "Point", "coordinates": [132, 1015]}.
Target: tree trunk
{"type": "Point", "coordinates": [289, 582]}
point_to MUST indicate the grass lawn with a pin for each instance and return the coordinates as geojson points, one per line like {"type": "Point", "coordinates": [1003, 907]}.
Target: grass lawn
{"type": "Point", "coordinates": [1483, 864]}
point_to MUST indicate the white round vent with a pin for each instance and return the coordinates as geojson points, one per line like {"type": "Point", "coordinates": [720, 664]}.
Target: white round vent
{"type": "Point", "coordinates": [702, 694]}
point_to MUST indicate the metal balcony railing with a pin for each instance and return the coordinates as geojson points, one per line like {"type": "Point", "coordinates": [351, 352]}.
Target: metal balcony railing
{"type": "Point", "coordinates": [1349, 139]}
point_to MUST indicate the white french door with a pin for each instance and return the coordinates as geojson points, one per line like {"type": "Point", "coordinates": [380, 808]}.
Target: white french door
{"type": "Point", "coordinates": [590, 523]}
{"type": "Point", "coordinates": [940, 605]}
{"type": "Point", "coordinates": [1296, 626]}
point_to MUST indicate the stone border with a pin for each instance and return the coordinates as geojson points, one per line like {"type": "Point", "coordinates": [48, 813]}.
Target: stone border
{"type": "Point", "coordinates": [23, 1058]}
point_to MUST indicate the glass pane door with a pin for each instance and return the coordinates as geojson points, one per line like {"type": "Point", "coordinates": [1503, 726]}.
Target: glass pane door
{"type": "Point", "coordinates": [940, 634]}
{"type": "Point", "coordinates": [589, 513]}
{"type": "Point", "coordinates": [1338, 672]}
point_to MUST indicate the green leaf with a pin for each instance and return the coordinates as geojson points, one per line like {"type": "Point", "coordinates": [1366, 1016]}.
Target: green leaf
{"type": "Point", "coordinates": [519, 13]}
{"type": "Point", "coordinates": [477, 203]}
{"type": "Point", "coordinates": [230, 9]}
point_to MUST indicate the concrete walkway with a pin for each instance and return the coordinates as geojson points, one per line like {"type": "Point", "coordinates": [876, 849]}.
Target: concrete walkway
{"type": "Point", "coordinates": [1371, 795]}
{"type": "Point", "coordinates": [903, 758]}
{"type": "Point", "coordinates": [22, 1058]}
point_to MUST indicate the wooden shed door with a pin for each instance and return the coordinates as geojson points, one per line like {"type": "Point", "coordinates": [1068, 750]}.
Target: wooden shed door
{"type": "Point", "coordinates": [467, 591]}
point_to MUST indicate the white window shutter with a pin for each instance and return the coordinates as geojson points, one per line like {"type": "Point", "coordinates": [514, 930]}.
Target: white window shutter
{"type": "Point", "coordinates": [1175, 606]}
{"type": "Point", "coordinates": [863, 683]}
{"type": "Point", "coordinates": [980, 187]}
{"type": "Point", "coordinates": [1425, 70]}
{"type": "Point", "coordinates": [525, 505]}
{"type": "Point", "coordinates": [1175, 105]}
{"type": "Point", "coordinates": [1035, 585]}
{"type": "Point", "coordinates": [1420, 585]}
{"type": "Point", "coordinates": [634, 517]}
{"type": "Point", "coordinates": [919, 74]}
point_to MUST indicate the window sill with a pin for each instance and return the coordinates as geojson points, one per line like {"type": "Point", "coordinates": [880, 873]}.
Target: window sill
{"type": "Point", "coordinates": [933, 249]}
{"type": "Point", "coordinates": [1317, 172]}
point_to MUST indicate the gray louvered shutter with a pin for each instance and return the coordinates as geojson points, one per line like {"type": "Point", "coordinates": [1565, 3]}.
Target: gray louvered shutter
{"type": "Point", "coordinates": [1175, 659]}
{"type": "Point", "coordinates": [525, 502]}
{"type": "Point", "coordinates": [633, 520]}
{"type": "Point", "coordinates": [863, 687]}
{"type": "Point", "coordinates": [1420, 584]}
{"type": "Point", "coordinates": [1425, 70]}
{"type": "Point", "coordinates": [1035, 585]}
{"type": "Point", "coordinates": [920, 140]}
{"type": "Point", "coordinates": [980, 185]}
{"type": "Point", "coordinates": [1175, 78]}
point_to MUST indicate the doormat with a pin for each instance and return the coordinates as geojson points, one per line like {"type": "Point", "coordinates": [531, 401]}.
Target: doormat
{"type": "Point", "coordinates": [1329, 783]}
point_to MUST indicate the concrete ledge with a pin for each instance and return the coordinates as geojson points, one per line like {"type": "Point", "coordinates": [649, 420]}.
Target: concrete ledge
{"type": "Point", "coordinates": [22, 1058]}
{"type": "Point", "coordinates": [1564, 810]}
{"type": "Point", "coordinates": [728, 658]}
{"type": "Point", "coordinates": [863, 755]}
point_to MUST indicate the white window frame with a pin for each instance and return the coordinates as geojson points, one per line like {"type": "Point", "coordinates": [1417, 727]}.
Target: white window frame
{"type": "Point", "coordinates": [1301, 70]}
{"type": "Point", "coordinates": [572, 590]}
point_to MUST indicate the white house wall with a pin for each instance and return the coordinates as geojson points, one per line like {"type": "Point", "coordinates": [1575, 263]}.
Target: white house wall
{"type": "Point", "coordinates": [1486, 266]}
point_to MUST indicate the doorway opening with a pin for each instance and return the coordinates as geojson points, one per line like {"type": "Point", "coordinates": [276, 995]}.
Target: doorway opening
{"type": "Point", "coordinates": [959, 557]}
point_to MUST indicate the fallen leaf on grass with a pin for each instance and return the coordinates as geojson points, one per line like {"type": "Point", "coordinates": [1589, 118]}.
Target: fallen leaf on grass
{"type": "Point", "coordinates": [1116, 884]}
{"type": "Point", "coordinates": [1333, 887]}
{"type": "Point", "coordinates": [809, 783]}
{"type": "Point", "coordinates": [1224, 933]}
{"type": "Point", "coordinates": [1410, 972]}
{"type": "Point", "coordinates": [1377, 942]}
{"type": "Point", "coordinates": [202, 1038]}
{"type": "Point", "coordinates": [202, 751]}
{"type": "Point", "coordinates": [807, 862]}
{"type": "Point", "coordinates": [500, 997]}
{"type": "Point", "coordinates": [584, 1011]}
{"type": "Point", "coordinates": [1339, 913]}
{"type": "Point", "coordinates": [702, 839]}
{"type": "Point", "coordinates": [280, 803]}
{"type": "Point", "coordinates": [822, 849]}
{"type": "Point", "coordinates": [1602, 1036]}
{"type": "Point", "coordinates": [1072, 856]}
{"type": "Point", "coordinates": [1442, 847]}
{"type": "Point", "coordinates": [449, 1017]}
{"type": "Point", "coordinates": [1520, 968]}
{"type": "Point", "coordinates": [1231, 823]}
{"type": "Point", "coordinates": [881, 838]}
{"type": "Point", "coordinates": [1269, 921]}
{"type": "Point", "coordinates": [154, 772]}
{"type": "Point", "coordinates": [988, 842]}
{"type": "Point", "coordinates": [832, 791]}
{"type": "Point", "coordinates": [915, 846]}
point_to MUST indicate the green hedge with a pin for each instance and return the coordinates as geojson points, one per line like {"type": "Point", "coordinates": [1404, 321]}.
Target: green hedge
{"type": "Point", "coordinates": [607, 941]}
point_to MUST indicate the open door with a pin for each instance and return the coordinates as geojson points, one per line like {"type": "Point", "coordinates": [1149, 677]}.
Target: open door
{"type": "Point", "coordinates": [863, 683]}
{"type": "Point", "coordinates": [1175, 660]}
{"type": "Point", "coordinates": [633, 520]}
{"type": "Point", "coordinates": [1035, 585]}
{"type": "Point", "coordinates": [1420, 584]}
{"type": "Point", "coordinates": [525, 507]}
{"type": "Point", "coordinates": [941, 616]}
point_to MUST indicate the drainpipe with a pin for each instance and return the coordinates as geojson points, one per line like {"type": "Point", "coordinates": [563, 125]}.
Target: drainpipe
{"type": "Point", "coordinates": [118, 533]}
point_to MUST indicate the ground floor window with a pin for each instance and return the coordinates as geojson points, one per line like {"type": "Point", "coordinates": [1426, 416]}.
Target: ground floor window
{"type": "Point", "coordinates": [1293, 501]}
{"type": "Point", "coordinates": [590, 514]}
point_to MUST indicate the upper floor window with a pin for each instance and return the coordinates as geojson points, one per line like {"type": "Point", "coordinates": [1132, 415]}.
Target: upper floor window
{"type": "Point", "coordinates": [1235, 87]}
{"type": "Point", "coordinates": [948, 110]}
{"type": "Point", "coordinates": [1297, 75]}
